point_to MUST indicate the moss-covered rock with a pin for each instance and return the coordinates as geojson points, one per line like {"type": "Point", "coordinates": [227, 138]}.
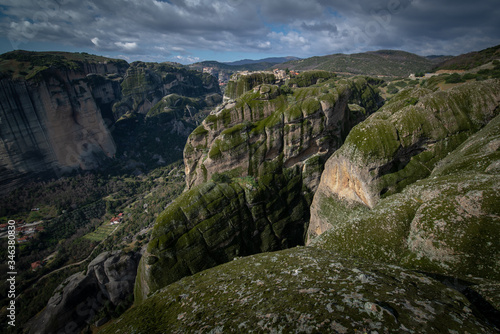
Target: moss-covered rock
{"type": "Point", "coordinates": [243, 82]}
{"type": "Point", "coordinates": [145, 84]}
{"type": "Point", "coordinates": [403, 141]}
{"type": "Point", "coordinates": [215, 222]}
{"type": "Point", "coordinates": [304, 290]}
{"type": "Point", "coordinates": [265, 123]}
{"type": "Point", "coordinates": [446, 223]}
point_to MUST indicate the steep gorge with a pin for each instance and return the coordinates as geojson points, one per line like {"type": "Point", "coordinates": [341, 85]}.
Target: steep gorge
{"type": "Point", "coordinates": [251, 170]}
{"type": "Point", "coordinates": [60, 111]}
{"type": "Point", "coordinates": [407, 211]}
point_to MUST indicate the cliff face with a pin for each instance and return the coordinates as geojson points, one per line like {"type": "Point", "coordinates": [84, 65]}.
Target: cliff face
{"type": "Point", "coordinates": [145, 84]}
{"type": "Point", "coordinates": [251, 170]}
{"type": "Point", "coordinates": [424, 191]}
{"type": "Point", "coordinates": [274, 124]}
{"type": "Point", "coordinates": [80, 298]}
{"type": "Point", "coordinates": [58, 112]}
{"type": "Point", "coordinates": [53, 123]}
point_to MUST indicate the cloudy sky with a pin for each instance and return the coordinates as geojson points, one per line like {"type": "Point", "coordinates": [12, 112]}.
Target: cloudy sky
{"type": "Point", "coordinates": [187, 31]}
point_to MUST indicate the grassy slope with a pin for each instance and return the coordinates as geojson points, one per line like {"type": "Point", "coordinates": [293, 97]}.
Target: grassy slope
{"type": "Point", "coordinates": [384, 62]}
{"type": "Point", "coordinates": [471, 60]}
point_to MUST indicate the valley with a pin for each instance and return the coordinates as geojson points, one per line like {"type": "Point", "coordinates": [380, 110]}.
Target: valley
{"type": "Point", "coordinates": [341, 195]}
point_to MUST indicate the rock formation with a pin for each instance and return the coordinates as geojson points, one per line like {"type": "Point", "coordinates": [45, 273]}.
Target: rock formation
{"type": "Point", "coordinates": [251, 169]}
{"type": "Point", "coordinates": [446, 222]}
{"type": "Point", "coordinates": [272, 124]}
{"type": "Point", "coordinates": [80, 298]}
{"type": "Point", "coordinates": [305, 290]}
{"type": "Point", "coordinates": [61, 115]}
{"type": "Point", "coordinates": [53, 124]}
{"type": "Point", "coordinates": [398, 145]}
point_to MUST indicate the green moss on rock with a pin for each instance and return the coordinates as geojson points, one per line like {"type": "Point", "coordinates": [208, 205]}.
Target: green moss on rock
{"type": "Point", "coordinates": [304, 290]}
{"type": "Point", "coordinates": [445, 223]}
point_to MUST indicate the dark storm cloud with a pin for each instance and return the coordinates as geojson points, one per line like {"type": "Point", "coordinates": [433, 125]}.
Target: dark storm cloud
{"type": "Point", "coordinates": [321, 26]}
{"type": "Point", "coordinates": [291, 27]}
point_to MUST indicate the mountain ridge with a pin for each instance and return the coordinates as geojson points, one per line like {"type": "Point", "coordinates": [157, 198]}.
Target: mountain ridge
{"type": "Point", "coordinates": [276, 60]}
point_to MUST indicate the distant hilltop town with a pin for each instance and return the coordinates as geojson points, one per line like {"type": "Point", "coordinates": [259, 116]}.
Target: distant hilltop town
{"type": "Point", "coordinates": [224, 76]}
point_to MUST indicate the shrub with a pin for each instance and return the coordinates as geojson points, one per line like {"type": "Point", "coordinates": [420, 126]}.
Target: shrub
{"type": "Point", "coordinates": [454, 78]}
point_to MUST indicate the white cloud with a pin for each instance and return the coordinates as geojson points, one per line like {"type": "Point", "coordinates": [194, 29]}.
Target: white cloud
{"type": "Point", "coordinates": [178, 49]}
{"type": "Point", "coordinates": [264, 45]}
{"type": "Point", "coordinates": [127, 46]}
{"type": "Point", "coordinates": [186, 59]}
{"type": "Point", "coordinates": [95, 41]}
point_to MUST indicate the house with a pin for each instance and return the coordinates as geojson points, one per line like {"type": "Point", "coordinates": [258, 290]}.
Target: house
{"type": "Point", "coordinates": [23, 239]}
{"type": "Point", "coordinates": [35, 265]}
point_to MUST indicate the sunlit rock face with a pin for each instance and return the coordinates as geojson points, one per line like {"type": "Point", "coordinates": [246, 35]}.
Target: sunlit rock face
{"type": "Point", "coordinates": [425, 198]}
{"type": "Point", "coordinates": [251, 170]}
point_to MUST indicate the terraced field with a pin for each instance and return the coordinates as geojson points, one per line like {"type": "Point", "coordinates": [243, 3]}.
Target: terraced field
{"type": "Point", "coordinates": [101, 232]}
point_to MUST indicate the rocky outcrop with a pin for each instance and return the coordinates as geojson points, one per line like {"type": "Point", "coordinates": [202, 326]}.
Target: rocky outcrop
{"type": "Point", "coordinates": [398, 145]}
{"type": "Point", "coordinates": [251, 171]}
{"type": "Point", "coordinates": [145, 84]}
{"type": "Point", "coordinates": [289, 127]}
{"type": "Point", "coordinates": [53, 123]}
{"type": "Point", "coordinates": [61, 115]}
{"type": "Point", "coordinates": [446, 223]}
{"type": "Point", "coordinates": [213, 223]}
{"type": "Point", "coordinates": [241, 83]}
{"type": "Point", "coordinates": [305, 290]}
{"type": "Point", "coordinates": [161, 105]}
{"type": "Point", "coordinates": [80, 298]}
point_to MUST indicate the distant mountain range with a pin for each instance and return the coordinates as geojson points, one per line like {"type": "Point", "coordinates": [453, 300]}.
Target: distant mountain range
{"type": "Point", "coordinates": [273, 60]}
{"type": "Point", "coordinates": [382, 63]}
{"type": "Point", "coordinates": [389, 63]}
{"type": "Point", "coordinates": [470, 60]}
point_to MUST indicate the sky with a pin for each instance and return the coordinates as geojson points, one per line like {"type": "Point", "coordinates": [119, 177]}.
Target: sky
{"type": "Point", "coordinates": [188, 31]}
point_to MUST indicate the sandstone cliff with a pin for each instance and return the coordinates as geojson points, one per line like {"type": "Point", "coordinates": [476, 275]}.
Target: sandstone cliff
{"type": "Point", "coordinates": [82, 297]}
{"type": "Point", "coordinates": [52, 124]}
{"type": "Point", "coordinates": [447, 222]}
{"type": "Point", "coordinates": [145, 84]}
{"type": "Point", "coordinates": [251, 169]}
{"type": "Point", "coordinates": [272, 124]}
{"type": "Point", "coordinates": [58, 112]}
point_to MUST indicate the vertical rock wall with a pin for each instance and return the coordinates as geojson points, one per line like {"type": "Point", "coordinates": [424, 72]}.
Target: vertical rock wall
{"type": "Point", "coordinates": [52, 123]}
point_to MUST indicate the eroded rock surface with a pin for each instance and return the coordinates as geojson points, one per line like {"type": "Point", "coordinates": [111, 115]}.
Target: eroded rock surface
{"type": "Point", "coordinates": [304, 290]}
{"type": "Point", "coordinates": [280, 125]}
{"type": "Point", "coordinates": [398, 145]}
{"type": "Point", "coordinates": [252, 168]}
{"type": "Point", "coordinates": [110, 277]}
{"type": "Point", "coordinates": [447, 223]}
